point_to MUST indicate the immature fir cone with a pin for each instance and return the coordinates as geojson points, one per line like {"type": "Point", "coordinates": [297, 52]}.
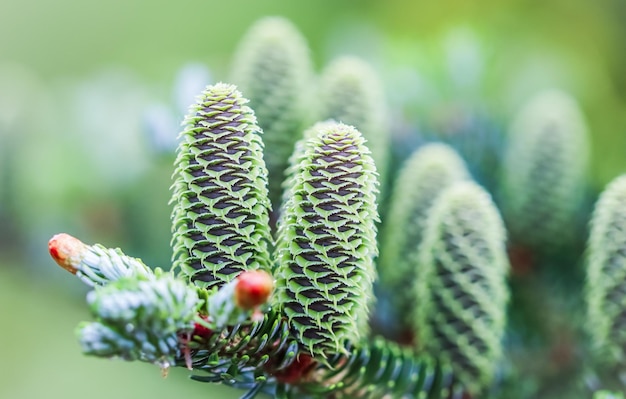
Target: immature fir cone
{"type": "Point", "coordinates": [273, 69]}
{"type": "Point", "coordinates": [606, 274]}
{"type": "Point", "coordinates": [460, 288]}
{"type": "Point", "coordinates": [351, 92]}
{"type": "Point", "coordinates": [327, 241]}
{"type": "Point", "coordinates": [221, 208]}
{"type": "Point", "coordinates": [544, 172]}
{"type": "Point", "coordinates": [430, 170]}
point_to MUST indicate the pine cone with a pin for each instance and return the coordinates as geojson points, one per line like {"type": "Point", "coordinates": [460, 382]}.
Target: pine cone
{"type": "Point", "coordinates": [221, 208]}
{"type": "Point", "coordinates": [327, 241]}
{"type": "Point", "coordinates": [460, 288]}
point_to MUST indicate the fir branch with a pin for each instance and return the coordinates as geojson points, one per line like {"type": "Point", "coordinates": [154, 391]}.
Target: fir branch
{"type": "Point", "coordinates": [606, 274]}
{"type": "Point", "coordinates": [380, 369]}
{"type": "Point", "coordinates": [544, 172]}
{"type": "Point", "coordinates": [264, 357]}
{"type": "Point", "coordinates": [139, 318]}
{"type": "Point", "coordinates": [162, 320]}
{"type": "Point", "coordinates": [221, 209]}
{"type": "Point", "coordinates": [141, 313]}
{"type": "Point", "coordinates": [326, 241]}
{"type": "Point", "coordinates": [159, 319]}
{"type": "Point", "coordinates": [460, 286]}
{"type": "Point", "coordinates": [273, 69]}
{"type": "Point", "coordinates": [429, 171]}
{"type": "Point", "coordinates": [95, 265]}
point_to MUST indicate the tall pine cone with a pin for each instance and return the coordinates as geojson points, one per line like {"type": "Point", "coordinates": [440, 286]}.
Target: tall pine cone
{"type": "Point", "coordinates": [273, 69]}
{"type": "Point", "coordinates": [606, 274]}
{"type": "Point", "coordinates": [544, 172]}
{"type": "Point", "coordinates": [460, 287]}
{"type": "Point", "coordinates": [327, 241]}
{"type": "Point", "coordinates": [351, 92]}
{"type": "Point", "coordinates": [430, 170]}
{"type": "Point", "coordinates": [221, 207]}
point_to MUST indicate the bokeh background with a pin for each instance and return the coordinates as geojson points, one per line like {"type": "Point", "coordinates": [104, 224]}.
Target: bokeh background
{"type": "Point", "coordinates": [92, 94]}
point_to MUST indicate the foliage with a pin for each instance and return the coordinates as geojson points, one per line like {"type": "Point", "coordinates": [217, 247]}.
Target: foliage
{"type": "Point", "coordinates": [139, 319]}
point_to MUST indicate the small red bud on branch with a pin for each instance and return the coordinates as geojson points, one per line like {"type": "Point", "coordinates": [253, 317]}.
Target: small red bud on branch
{"type": "Point", "coordinates": [201, 330]}
{"type": "Point", "coordinates": [67, 251]}
{"type": "Point", "coordinates": [253, 289]}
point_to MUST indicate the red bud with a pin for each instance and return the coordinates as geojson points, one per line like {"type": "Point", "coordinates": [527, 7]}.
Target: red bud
{"type": "Point", "coordinates": [66, 251]}
{"type": "Point", "coordinates": [296, 371]}
{"type": "Point", "coordinates": [253, 288]}
{"type": "Point", "coordinates": [201, 330]}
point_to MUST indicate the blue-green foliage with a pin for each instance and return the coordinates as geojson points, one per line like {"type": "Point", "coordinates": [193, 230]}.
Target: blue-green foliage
{"type": "Point", "coordinates": [139, 318]}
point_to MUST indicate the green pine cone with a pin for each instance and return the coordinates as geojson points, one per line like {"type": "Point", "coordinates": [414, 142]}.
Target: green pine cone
{"type": "Point", "coordinates": [430, 170]}
{"type": "Point", "coordinates": [352, 93]}
{"type": "Point", "coordinates": [273, 69]}
{"type": "Point", "coordinates": [327, 241]}
{"type": "Point", "coordinates": [544, 172]}
{"type": "Point", "coordinates": [460, 288]}
{"type": "Point", "coordinates": [139, 318]}
{"type": "Point", "coordinates": [606, 274]}
{"type": "Point", "coordinates": [221, 208]}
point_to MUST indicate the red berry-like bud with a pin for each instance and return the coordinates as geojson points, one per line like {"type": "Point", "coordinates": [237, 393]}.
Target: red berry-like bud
{"type": "Point", "coordinates": [66, 251]}
{"type": "Point", "coordinates": [201, 330]}
{"type": "Point", "coordinates": [253, 288]}
{"type": "Point", "coordinates": [297, 371]}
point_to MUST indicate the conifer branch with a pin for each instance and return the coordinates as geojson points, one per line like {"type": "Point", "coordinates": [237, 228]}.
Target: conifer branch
{"type": "Point", "coordinates": [95, 265]}
{"type": "Point", "coordinates": [160, 319]}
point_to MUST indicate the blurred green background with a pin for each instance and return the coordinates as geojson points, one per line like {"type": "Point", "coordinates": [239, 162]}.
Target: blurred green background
{"type": "Point", "coordinates": [80, 153]}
